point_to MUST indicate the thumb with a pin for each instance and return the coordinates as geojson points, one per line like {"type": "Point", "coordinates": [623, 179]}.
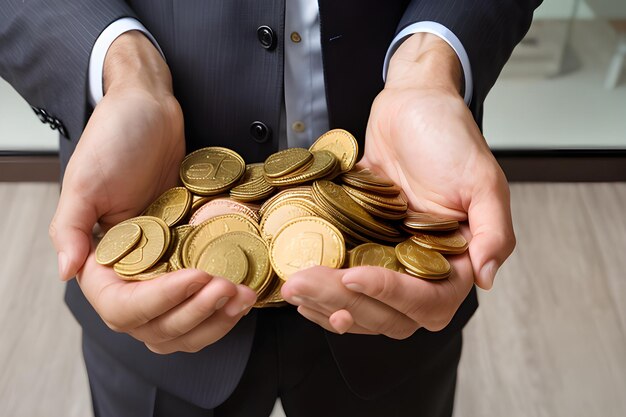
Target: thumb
{"type": "Point", "coordinates": [493, 238]}
{"type": "Point", "coordinates": [70, 231]}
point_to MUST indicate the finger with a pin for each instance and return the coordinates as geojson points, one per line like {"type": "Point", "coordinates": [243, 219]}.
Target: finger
{"type": "Point", "coordinates": [206, 333]}
{"type": "Point", "coordinates": [70, 231]}
{"type": "Point", "coordinates": [189, 314]}
{"type": "Point", "coordinates": [321, 289]}
{"type": "Point", "coordinates": [493, 238]}
{"type": "Point", "coordinates": [323, 321]}
{"type": "Point", "coordinates": [126, 305]}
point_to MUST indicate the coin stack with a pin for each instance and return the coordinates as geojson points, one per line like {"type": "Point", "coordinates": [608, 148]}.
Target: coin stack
{"type": "Point", "coordinates": [257, 224]}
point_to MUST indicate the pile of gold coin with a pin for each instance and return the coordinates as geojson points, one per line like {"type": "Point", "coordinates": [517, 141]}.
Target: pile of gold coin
{"type": "Point", "coordinates": [257, 224]}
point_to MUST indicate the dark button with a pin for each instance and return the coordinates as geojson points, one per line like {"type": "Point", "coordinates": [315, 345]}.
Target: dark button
{"type": "Point", "coordinates": [41, 114]}
{"type": "Point", "coordinates": [266, 37]}
{"type": "Point", "coordinates": [260, 132]}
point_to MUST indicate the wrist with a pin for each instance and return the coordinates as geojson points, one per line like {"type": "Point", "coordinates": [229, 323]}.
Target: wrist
{"type": "Point", "coordinates": [425, 61]}
{"type": "Point", "coordinates": [132, 61]}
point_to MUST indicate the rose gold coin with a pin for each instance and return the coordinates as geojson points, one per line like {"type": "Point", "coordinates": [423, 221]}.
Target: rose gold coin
{"type": "Point", "coordinates": [221, 206]}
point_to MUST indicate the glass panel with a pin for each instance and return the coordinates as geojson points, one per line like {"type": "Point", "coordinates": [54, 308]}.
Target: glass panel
{"type": "Point", "coordinates": [565, 85]}
{"type": "Point", "coordinates": [20, 129]}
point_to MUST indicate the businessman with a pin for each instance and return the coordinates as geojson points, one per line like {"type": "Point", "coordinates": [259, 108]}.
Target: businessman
{"type": "Point", "coordinates": [408, 78]}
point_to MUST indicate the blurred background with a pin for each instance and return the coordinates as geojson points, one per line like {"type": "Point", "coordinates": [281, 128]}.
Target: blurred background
{"type": "Point", "coordinates": [548, 340]}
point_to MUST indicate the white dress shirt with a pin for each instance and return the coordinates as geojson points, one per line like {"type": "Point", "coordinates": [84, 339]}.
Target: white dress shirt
{"type": "Point", "coordinates": [305, 110]}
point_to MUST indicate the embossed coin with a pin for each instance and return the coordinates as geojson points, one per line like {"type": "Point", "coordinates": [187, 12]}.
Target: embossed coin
{"type": "Point", "coordinates": [286, 161]}
{"type": "Point", "coordinates": [212, 170]}
{"type": "Point", "coordinates": [422, 262]}
{"type": "Point", "coordinates": [179, 234]}
{"type": "Point", "coordinates": [224, 258]}
{"type": "Point", "coordinates": [259, 267]}
{"type": "Point", "coordinates": [342, 144]}
{"type": "Point", "coordinates": [155, 239]}
{"type": "Point", "coordinates": [323, 163]}
{"type": "Point", "coordinates": [451, 243]}
{"type": "Point", "coordinates": [279, 214]}
{"type": "Point", "coordinates": [374, 254]}
{"type": "Point", "coordinates": [172, 206]}
{"type": "Point", "coordinates": [117, 242]}
{"type": "Point", "coordinates": [199, 237]}
{"type": "Point", "coordinates": [305, 242]}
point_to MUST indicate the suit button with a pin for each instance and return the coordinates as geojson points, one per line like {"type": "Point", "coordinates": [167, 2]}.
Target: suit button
{"type": "Point", "coordinates": [266, 37]}
{"type": "Point", "coordinates": [260, 132]}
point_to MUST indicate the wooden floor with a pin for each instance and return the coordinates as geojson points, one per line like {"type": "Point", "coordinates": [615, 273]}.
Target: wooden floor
{"type": "Point", "coordinates": [549, 340]}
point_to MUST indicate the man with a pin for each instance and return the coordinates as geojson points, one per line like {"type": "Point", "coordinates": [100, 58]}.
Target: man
{"type": "Point", "coordinates": [391, 343]}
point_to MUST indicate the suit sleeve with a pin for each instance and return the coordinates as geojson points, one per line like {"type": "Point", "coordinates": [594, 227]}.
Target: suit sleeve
{"type": "Point", "coordinates": [44, 53]}
{"type": "Point", "coordinates": [488, 30]}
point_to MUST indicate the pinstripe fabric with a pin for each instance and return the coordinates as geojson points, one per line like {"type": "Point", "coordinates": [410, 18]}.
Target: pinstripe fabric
{"type": "Point", "coordinates": [488, 30]}
{"type": "Point", "coordinates": [224, 81]}
{"type": "Point", "coordinates": [44, 53]}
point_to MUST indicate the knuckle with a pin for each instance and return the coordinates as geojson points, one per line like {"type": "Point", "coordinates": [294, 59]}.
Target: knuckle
{"type": "Point", "coordinates": [438, 323]}
{"type": "Point", "coordinates": [158, 349]}
{"type": "Point", "coordinates": [52, 229]}
{"type": "Point", "coordinates": [189, 347]}
{"type": "Point", "coordinates": [404, 332]}
{"type": "Point", "coordinates": [115, 326]}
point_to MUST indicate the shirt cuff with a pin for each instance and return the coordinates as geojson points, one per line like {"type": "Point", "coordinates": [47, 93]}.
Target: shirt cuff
{"type": "Point", "coordinates": [101, 47]}
{"type": "Point", "coordinates": [444, 33]}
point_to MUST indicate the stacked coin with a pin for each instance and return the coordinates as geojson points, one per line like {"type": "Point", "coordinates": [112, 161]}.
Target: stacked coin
{"type": "Point", "coordinates": [257, 224]}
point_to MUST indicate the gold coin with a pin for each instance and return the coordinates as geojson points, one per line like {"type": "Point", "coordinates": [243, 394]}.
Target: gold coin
{"type": "Point", "coordinates": [336, 196]}
{"type": "Point", "coordinates": [286, 161]}
{"type": "Point", "coordinates": [421, 261]}
{"type": "Point", "coordinates": [281, 213]}
{"type": "Point", "coordinates": [155, 239]}
{"type": "Point", "coordinates": [212, 170]}
{"type": "Point", "coordinates": [451, 243]}
{"type": "Point", "coordinates": [425, 221]}
{"type": "Point", "coordinates": [396, 203]}
{"type": "Point", "coordinates": [201, 235]}
{"type": "Point", "coordinates": [222, 257]}
{"type": "Point", "coordinates": [380, 212]}
{"type": "Point", "coordinates": [367, 177]}
{"type": "Point", "coordinates": [374, 254]}
{"type": "Point", "coordinates": [259, 267]}
{"type": "Point", "coordinates": [323, 163]}
{"type": "Point", "coordinates": [305, 242]}
{"type": "Point", "coordinates": [342, 144]}
{"type": "Point", "coordinates": [117, 243]}
{"type": "Point", "coordinates": [303, 191]}
{"type": "Point", "coordinates": [152, 273]}
{"type": "Point", "coordinates": [171, 207]}
{"type": "Point", "coordinates": [179, 234]}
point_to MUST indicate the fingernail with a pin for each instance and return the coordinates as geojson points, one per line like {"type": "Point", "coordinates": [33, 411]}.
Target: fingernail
{"type": "Point", "coordinates": [352, 286]}
{"type": "Point", "coordinates": [488, 273]}
{"type": "Point", "coordinates": [235, 311]}
{"type": "Point", "coordinates": [193, 288]}
{"type": "Point", "coordinates": [63, 264]}
{"type": "Point", "coordinates": [220, 303]}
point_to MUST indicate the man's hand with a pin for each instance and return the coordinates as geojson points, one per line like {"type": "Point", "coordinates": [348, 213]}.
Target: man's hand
{"type": "Point", "coordinates": [129, 153]}
{"type": "Point", "coordinates": [422, 135]}
{"type": "Point", "coordinates": [183, 311]}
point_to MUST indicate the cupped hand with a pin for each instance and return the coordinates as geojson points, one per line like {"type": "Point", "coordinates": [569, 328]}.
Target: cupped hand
{"type": "Point", "coordinates": [183, 311]}
{"type": "Point", "coordinates": [128, 155]}
{"type": "Point", "coordinates": [422, 135]}
{"type": "Point", "coordinates": [375, 300]}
